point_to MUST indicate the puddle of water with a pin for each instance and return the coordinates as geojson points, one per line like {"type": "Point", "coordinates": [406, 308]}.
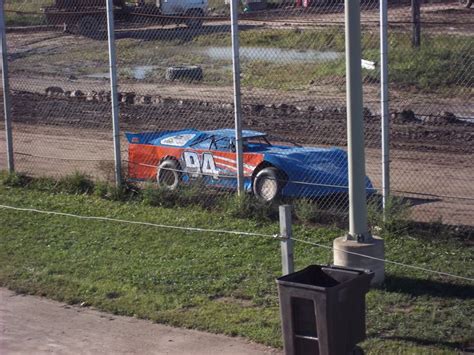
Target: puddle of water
{"type": "Point", "coordinates": [275, 55]}
{"type": "Point", "coordinates": [465, 119]}
{"type": "Point", "coordinates": [139, 72]}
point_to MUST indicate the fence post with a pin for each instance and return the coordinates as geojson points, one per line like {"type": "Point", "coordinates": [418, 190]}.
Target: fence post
{"type": "Point", "coordinates": [113, 92]}
{"type": "Point", "coordinates": [286, 241]}
{"type": "Point", "coordinates": [416, 19]}
{"type": "Point", "coordinates": [6, 91]}
{"type": "Point", "coordinates": [384, 111]}
{"type": "Point", "coordinates": [234, 18]}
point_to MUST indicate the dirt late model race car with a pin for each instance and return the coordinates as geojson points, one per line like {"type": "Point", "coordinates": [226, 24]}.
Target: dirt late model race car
{"type": "Point", "coordinates": [270, 171]}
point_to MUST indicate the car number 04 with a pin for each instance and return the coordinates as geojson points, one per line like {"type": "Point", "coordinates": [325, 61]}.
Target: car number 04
{"type": "Point", "coordinates": [204, 166]}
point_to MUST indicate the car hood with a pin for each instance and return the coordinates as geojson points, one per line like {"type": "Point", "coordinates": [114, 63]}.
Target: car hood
{"type": "Point", "coordinates": [318, 166]}
{"type": "Point", "coordinates": [307, 157]}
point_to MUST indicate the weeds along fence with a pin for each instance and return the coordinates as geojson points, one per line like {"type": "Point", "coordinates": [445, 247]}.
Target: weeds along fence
{"type": "Point", "coordinates": [176, 72]}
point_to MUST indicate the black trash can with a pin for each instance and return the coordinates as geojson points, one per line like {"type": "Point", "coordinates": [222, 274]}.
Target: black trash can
{"type": "Point", "coordinates": [323, 309]}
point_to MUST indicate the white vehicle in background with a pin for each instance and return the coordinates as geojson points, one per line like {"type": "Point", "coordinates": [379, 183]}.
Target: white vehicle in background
{"type": "Point", "coordinates": [88, 17]}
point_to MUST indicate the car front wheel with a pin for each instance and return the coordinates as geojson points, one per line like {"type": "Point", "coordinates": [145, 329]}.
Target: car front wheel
{"type": "Point", "coordinates": [168, 174]}
{"type": "Point", "coordinates": [268, 184]}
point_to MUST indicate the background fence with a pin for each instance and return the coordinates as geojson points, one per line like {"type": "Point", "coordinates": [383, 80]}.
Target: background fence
{"type": "Point", "coordinates": [293, 88]}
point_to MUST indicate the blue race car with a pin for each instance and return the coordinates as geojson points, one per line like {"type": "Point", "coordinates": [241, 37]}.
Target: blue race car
{"type": "Point", "coordinates": [270, 170]}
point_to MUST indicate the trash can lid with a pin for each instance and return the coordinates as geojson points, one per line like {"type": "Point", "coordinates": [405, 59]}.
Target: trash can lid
{"type": "Point", "coordinates": [323, 277]}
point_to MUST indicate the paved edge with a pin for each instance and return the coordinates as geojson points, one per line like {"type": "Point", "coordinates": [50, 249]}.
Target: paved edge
{"type": "Point", "coordinates": [30, 324]}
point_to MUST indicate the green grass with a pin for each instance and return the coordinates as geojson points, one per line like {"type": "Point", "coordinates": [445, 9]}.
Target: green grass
{"type": "Point", "coordinates": [441, 61]}
{"type": "Point", "coordinates": [25, 12]}
{"type": "Point", "coordinates": [441, 64]}
{"type": "Point", "coordinates": [213, 282]}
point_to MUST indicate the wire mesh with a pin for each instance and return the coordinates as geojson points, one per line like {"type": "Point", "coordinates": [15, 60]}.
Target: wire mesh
{"type": "Point", "coordinates": [175, 73]}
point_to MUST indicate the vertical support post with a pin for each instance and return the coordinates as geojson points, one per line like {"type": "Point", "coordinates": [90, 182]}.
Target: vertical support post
{"type": "Point", "coordinates": [286, 242]}
{"type": "Point", "coordinates": [113, 91]}
{"type": "Point", "coordinates": [384, 101]}
{"type": "Point", "coordinates": [6, 91]}
{"type": "Point", "coordinates": [358, 228]}
{"type": "Point", "coordinates": [234, 18]}
{"type": "Point", "coordinates": [416, 19]}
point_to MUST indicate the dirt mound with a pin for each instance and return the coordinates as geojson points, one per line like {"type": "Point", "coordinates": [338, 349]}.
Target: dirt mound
{"type": "Point", "coordinates": [304, 125]}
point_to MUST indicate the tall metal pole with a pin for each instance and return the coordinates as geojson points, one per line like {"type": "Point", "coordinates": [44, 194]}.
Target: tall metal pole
{"type": "Point", "coordinates": [114, 94]}
{"type": "Point", "coordinates": [234, 18]}
{"type": "Point", "coordinates": [358, 229]}
{"type": "Point", "coordinates": [416, 19]}
{"type": "Point", "coordinates": [6, 91]}
{"type": "Point", "coordinates": [384, 111]}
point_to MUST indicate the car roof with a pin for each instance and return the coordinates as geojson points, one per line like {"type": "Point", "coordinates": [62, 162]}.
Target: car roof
{"type": "Point", "coordinates": [230, 133]}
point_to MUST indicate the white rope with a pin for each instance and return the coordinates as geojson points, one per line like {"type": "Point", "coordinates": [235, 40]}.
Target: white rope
{"type": "Point", "coordinates": [384, 260]}
{"type": "Point", "coordinates": [193, 229]}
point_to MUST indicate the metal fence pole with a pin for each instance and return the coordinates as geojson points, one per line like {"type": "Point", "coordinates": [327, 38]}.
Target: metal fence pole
{"type": "Point", "coordinates": [286, 241]}
{"type": "Point", "coordinates": [6, 91]}
{"type": "Point", "coordinates": [358, 228]}
{"type": "Point", "coordinates": [416, 19]}
{"type": "Point", "coordinates": [114, 94]}
{"type": "Point", "coordinates": [384, 110]}
{"type": "Point", "coordinates": [234, 17]}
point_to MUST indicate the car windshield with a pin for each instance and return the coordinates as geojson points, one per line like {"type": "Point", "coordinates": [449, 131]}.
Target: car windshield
{"type": "Point", "coordinates": [249, 143]}
{"type": "Point", "coordinates": [213, 143]}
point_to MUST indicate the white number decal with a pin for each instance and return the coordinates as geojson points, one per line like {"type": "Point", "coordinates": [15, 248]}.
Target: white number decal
{"type": "Point", "coordinates": [195, 168]}
{"type": "Point", "coordinates": [191, 162]}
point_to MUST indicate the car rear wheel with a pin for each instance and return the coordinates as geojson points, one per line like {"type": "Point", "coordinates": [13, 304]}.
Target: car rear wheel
{"type": "Point", "coordinates": [168, 175]}
{"type": "Point", "coordinates": [268, 184]}
{"type": "Point", "coordinates": [466, 3]}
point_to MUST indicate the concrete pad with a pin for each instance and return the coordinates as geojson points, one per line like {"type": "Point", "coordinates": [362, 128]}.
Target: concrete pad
{"type": "Point", "coordinates": [375, 249]}
{"type": "Point", "coordinates": [35, 325]}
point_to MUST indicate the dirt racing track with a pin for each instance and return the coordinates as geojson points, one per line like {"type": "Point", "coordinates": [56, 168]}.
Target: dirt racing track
{"type": "Point", "coordinates": [56, 134]}
{"type": "Point", "coordinates": [431, 162]}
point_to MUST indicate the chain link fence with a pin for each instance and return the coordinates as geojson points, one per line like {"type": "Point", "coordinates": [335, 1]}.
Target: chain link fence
{"type": "Point", "coordinates": [175, 72]}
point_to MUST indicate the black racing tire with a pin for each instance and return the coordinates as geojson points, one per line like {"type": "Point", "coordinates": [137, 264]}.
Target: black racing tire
{"type": "Point", "coordinates": [268, 183]}
{"type": "Point", "coordinates": [91, 27]}
{"type": "Point", "coordinates": [168, 175]}
{"type": "Point", "coordinates": [466, 3]}
{"type": "Point", "coordinates": [188, 72]}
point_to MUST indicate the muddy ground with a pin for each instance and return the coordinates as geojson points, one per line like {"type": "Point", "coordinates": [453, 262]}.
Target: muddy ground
{"type": "Point", "coordinates": [443, 16]}
{"type": "Point", "coordinates": [431, 163]}
{"type": "Point", "coordinates": [317, 126]}
{"type": "Point", "coordinates": [431, 158]}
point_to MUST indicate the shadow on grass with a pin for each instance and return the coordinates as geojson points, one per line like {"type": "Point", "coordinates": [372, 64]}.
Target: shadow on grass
{"type": "Point", "coordinates": [445, 232]}
{"type": "Point", "coordinates": [414, 201]}
{"type": "Point", "coordinates": [425, 342]}
{"type": "Point", "coordinates": [419, 287]}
